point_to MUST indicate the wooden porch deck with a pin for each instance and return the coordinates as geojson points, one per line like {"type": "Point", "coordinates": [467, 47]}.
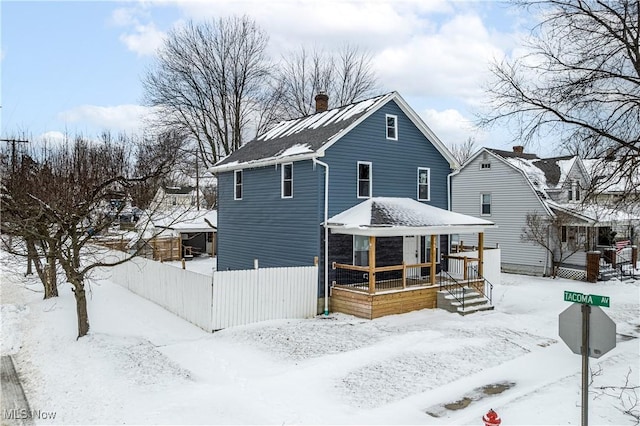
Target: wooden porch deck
{"type": "Point", "coordinates": [386, 302]}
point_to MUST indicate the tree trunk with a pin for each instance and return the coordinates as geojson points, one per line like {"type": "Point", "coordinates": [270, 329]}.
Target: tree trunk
{"type": "Point", "coordinates": [32, 255]}
{"type": "Point", "coordinates": [51, 280]}
{"type": "Point", "coordinates": [81, 308]}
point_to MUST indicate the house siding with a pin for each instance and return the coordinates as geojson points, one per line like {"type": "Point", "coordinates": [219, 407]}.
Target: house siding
{"type": "Point", "coordinates": [394, 163]}
{"type": "Point", "coordinates": [262, 225]}
{"type": "Point", "coordinates": [511, 199]}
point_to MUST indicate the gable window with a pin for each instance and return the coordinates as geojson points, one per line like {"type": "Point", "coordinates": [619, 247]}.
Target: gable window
{"type": "Point", "coordinates": [392, 127]}
{"type": "Point", "coordinates": [237, 177]}
{"type": "Point", "coordinates": [287, 180]}
{"type": "Point", "coordinates": [485, 204]}
{"type": "Point", "coordinates": [423, 184]}
{"type": "Point", "coordinates": [361, 250]}
{"type": "Point", "coordinates": [364, 179]}
{"type": "Point", "coordinates": [575, 188]}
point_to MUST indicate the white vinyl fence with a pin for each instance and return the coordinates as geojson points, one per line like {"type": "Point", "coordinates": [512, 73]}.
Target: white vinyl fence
{"type": "Point", "coordinates": [491, 264]}
{"type": "Point", "coordinates": [226, 299]}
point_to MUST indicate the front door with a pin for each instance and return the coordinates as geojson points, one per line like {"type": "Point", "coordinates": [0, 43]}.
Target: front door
{"type": "Point", "coordinates": [411, 254]}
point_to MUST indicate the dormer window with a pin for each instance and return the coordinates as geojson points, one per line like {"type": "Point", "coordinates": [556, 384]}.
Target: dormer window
{"type": "Point", "coordinates": [574, 191]}
{"type": "Point", "coordinates": [392, 126]}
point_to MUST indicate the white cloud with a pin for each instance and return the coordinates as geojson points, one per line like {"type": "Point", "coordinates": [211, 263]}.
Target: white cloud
{"type": "Point", "coordinates": [451, 61]}
{"type": "Point", "coordinates": [126, 118]}
{"type": "Point", "coordinates": [451, 127]}
{"type": "Point", "coordinates": [144, 40]}
{"type": "Point", "coordinates": [52, 136]}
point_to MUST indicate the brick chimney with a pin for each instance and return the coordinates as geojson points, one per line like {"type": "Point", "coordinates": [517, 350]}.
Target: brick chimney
{"type": "Point", "coordinates": [322, 102]}
{"type": "Point", "coordinates": [518, 149]}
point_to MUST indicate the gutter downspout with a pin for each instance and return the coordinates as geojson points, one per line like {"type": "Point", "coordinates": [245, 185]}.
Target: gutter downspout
{"type": "Point", "coordinates": [449, 203]}
{"type": "Point", "coordinates": [326, 234]}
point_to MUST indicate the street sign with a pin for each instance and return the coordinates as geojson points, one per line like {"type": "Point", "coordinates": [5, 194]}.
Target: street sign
{"type": "Point", "coordinates": [588, 299]}
{"type": "Point", "coordinates": [602, 330]}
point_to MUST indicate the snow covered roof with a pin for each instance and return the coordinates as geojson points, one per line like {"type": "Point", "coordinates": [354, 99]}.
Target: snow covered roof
{"type": "Point", "coordinates": [187, 220]}
{"type": "Point", "coordinates": [388, 216]}
{"type": "Point", "coordinates": [595, 214]}
{"type": "Point", "coordinates": [307, 137]}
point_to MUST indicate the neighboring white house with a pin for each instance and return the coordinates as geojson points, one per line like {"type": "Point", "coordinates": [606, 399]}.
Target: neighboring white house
{"type": "Point", "coordinates": [505, 186]}
{"type": "Point", "coordinates": [194, 229]}
{"type": "Point", "coordinates": [175, 197]}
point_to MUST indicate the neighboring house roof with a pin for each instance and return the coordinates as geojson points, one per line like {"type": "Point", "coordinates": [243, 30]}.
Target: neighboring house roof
{"type": "Point", "coordinates": [546, 175]}
{"type": "Point", "coordinates": [512, 154]}
{"type": "Point", "coordinates": [596, 214]}
{"type": "Point", "coordinates": [555, 169]}
{"type": "Point", "coordinates": [390, 216]}
{"type": "Point", "coordinates": [610, 176]}
{"type": "Point", "coordinates": [179, 221]}
{"type": "Point", "coordinates": [308, 137]}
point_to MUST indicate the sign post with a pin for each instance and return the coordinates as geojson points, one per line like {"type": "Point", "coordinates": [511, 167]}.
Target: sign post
{"type": "Point", "coordinates": [591, 335]}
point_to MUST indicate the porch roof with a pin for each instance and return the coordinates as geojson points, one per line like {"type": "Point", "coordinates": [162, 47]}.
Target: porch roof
{"type": "Point", "coordinates": [386, 217]}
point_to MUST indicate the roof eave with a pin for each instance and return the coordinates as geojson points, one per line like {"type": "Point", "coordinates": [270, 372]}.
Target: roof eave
{"type": "Point", "coordinates": [264, 162]}
{"type": "Point", "coordinates": [396, 231]}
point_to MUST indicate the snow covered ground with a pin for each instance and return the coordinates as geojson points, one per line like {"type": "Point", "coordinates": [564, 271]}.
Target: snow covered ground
{"type": "Point", "coordinates": [142, 365]}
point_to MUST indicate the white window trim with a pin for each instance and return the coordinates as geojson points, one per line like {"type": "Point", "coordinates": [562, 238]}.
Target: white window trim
{"type": "Point", "coordinates": [282, 180]}
{"type": "Point", "coordinates": [235, 184]}
{"type": "Point", "coordinates": [353, 251]}
{"type": "Point", "coordinates": [428, 184]}
{"type": "Point", "coordinates": [386, 126]}
{"type": "Point", "coordinates": [490, 204]}
{"type": "Point", "coordinates": [370, 179]}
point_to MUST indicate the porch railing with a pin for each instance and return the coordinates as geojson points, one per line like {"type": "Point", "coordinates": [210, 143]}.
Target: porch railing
{"type": "Point", "coordinates": [458, 288]}
{"type": "Point", "coordinates": [392, 277]}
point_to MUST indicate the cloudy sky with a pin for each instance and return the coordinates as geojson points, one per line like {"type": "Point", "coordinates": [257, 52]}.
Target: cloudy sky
{"type": "Point", "coordinates": [75, 67]}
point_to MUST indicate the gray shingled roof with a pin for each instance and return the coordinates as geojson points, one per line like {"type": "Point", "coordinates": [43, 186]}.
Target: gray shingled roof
{"type": "Point", "coordinates": [305, 134]}
{"type": "Point", "coordinates": [551, 169]}
{"type": "Point", "coordinates": [511, 154]}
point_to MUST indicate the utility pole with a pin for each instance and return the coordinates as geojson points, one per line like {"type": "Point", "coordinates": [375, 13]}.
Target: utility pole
{"type": "Point", "coordinates": [13, 151]}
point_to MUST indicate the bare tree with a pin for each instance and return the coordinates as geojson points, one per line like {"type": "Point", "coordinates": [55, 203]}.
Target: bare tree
{"type": "Point", "coordinates": [627, 394]}
{"type": "Point", "coordinates": [579, 82]}
{"type": "Point", "coordinates": [67, 198]}
{"type": "Point", "coordinates": [345, 76]}
{"type": "Point", "coordinates": [464, 151]}
{"type": "Point", "coordinates": [207, 82]}
{"type": "Point", "coordinates": [546, 231]}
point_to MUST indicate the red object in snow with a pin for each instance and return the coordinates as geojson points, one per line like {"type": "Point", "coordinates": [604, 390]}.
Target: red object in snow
{"type": "Point", "coordinates": [491, 418]}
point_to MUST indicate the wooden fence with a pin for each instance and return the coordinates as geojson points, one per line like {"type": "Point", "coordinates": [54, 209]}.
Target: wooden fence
{"type": "Point", "coordinates": [226, 298]}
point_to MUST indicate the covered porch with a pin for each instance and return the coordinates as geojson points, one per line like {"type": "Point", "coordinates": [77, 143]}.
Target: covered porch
{"type": "Point", "coordinates": [368, 289]}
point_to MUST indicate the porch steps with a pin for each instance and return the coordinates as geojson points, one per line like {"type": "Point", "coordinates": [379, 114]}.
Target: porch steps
{"type": "Point", "coordinates": [473, 302]}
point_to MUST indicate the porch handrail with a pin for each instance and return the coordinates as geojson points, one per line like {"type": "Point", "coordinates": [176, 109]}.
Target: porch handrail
{"type": "Point", "coordinates": [487, 286]}
{"type": "Point", "coordinates": [380, 268]}
{"type": "Point", "coordinates": [460, 257]}
{"type": "Point", "coordinates": [453, 287]}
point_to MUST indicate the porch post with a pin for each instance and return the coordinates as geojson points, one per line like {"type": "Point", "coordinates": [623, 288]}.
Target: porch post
{"type": "Point", "coordinates": [372, 264]}
{"type": "Point", "coordinates": [481, 253]}
{"type": "Point", "coordinates": [432, 269]}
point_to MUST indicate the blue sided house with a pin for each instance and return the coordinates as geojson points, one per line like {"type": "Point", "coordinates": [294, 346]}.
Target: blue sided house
{"type": "Point", "coordinates": [371, 179]}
